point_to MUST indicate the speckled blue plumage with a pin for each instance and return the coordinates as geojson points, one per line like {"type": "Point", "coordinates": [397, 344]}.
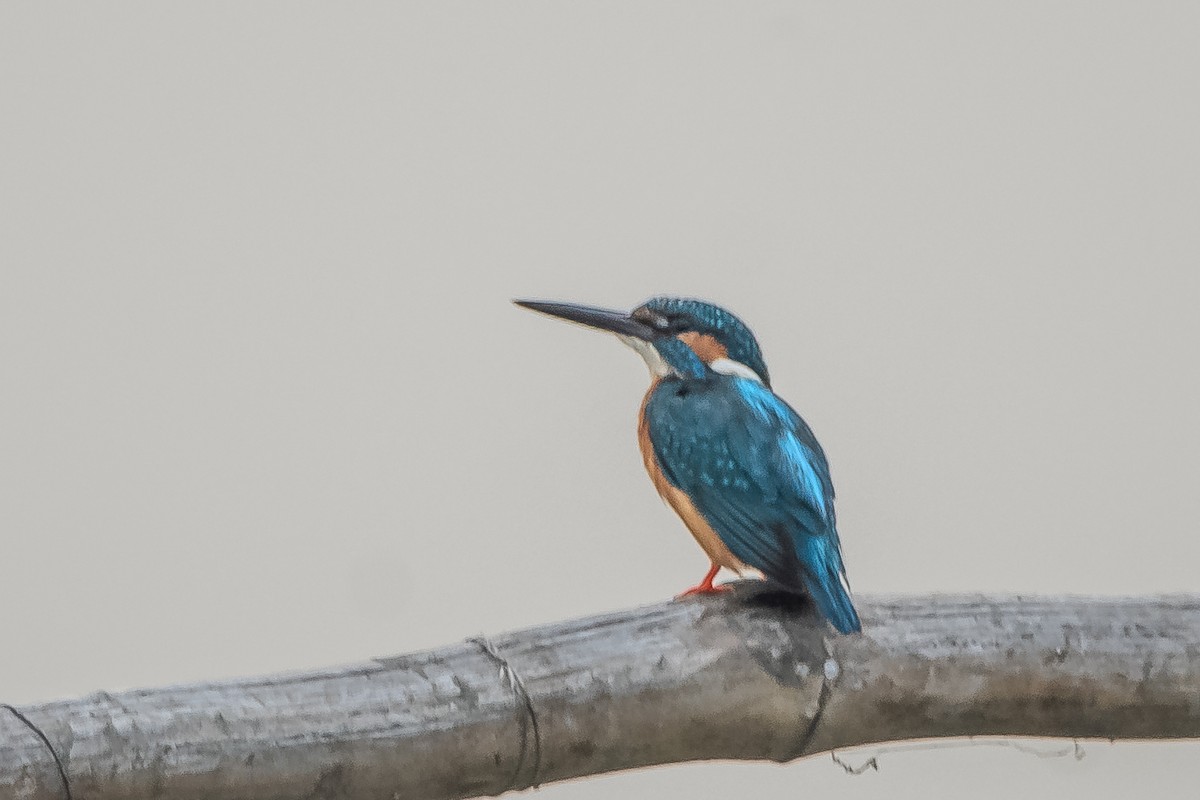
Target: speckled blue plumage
{"type": "Point", "coordinates": [754, 470]}
{"type": "Point", "coordinates": [722, 324]}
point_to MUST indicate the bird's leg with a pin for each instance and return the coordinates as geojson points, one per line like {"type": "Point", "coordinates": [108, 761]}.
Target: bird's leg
{"type": "Point", "coordinates": [706, 586]}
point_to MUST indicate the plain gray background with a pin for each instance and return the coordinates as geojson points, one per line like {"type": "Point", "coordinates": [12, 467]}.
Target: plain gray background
{"type": "Point", "coordinates": [265, 404]}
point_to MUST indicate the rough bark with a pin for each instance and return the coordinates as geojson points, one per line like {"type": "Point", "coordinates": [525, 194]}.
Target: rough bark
{"type": "Point", "coordinates": [746, 675]}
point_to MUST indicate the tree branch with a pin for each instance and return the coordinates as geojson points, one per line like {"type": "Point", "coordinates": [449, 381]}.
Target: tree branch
{"type": "Point", "coordinates": [747, 675]}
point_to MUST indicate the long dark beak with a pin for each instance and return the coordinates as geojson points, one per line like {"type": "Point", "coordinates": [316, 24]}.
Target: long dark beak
{"type": "Point", "coordinates": [602, 319]}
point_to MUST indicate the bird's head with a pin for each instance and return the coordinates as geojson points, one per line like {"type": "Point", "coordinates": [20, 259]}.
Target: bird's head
{"type": "Point", "coordinates": [676, 336]}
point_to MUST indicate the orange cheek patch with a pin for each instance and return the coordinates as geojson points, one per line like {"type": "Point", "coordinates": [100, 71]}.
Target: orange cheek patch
{"type": "Point", "coordinates": [704, 346]}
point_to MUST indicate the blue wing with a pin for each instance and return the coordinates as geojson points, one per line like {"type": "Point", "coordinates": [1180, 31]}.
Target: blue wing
{"type": "Point", "coordinates": [755, 471]}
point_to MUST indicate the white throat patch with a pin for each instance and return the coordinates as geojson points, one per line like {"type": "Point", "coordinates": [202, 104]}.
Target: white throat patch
{"type": "Point", "coordinates": [658, 367]}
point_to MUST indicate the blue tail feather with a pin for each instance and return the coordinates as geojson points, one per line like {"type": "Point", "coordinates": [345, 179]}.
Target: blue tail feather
{"type": "Point", "coordinates": [826, 582]}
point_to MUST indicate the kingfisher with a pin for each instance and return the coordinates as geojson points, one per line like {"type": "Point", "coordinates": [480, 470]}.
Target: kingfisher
{"type": "Point", "coordinates": [738, 465]}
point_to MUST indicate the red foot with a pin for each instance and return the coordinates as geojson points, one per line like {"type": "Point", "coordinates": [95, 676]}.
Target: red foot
{"type": "Point", "coordinates": [706, 586]}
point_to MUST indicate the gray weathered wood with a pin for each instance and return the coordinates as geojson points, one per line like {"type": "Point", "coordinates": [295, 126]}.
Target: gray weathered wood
{"type": "Point", "coordinates": [747, 675]}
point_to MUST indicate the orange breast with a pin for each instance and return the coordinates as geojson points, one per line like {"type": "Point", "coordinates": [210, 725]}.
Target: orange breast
{"type": "Point", "coordinates": [717, 552]}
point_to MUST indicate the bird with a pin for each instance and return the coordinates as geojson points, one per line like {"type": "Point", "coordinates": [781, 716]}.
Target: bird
{"type": "Point", "coordinates": [738, 465]}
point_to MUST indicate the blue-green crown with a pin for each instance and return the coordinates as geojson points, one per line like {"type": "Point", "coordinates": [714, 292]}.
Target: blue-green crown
{"type": "Point", "coordinates": [684, 314]}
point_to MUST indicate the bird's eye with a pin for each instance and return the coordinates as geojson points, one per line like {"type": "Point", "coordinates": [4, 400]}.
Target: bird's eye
{"type": "Point", "coordinates": [678, 323]}
{"type": "Point", "coordinates": [655, 319]}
